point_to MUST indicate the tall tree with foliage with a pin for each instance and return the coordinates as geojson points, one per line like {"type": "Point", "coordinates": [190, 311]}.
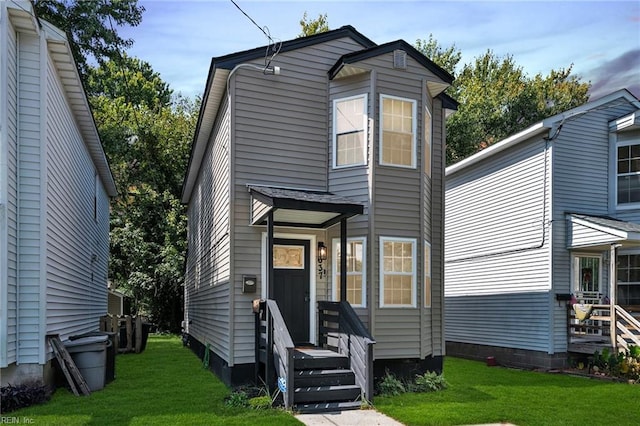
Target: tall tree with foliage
{"type": "Point", "coordinates": [90, 26]}
{"type": "Point", "coordinates": [146, 134]}
{"type": "Point", "coordinates": [497, 98]}
{"type": "Point", "coordinates": [313, 26]}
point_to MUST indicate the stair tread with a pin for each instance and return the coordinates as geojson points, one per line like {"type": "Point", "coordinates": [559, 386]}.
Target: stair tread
{"type": "Point", "coordinates": [327, 407]}
{"type": "Point", "coordinates": [326, 388]}
{"type": "Point", "coordinates": [322, 371]}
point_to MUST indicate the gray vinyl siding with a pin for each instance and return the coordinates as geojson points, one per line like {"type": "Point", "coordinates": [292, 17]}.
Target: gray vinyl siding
{"type": "Point", "coordinates": [11, 197]}
{"type": "Point", "coordinates": [352, 182]}
{"type": "Point", "coordinates": [279, 138]}
{"type": "Point", "coordinates": [30, 188]}
{"type": "Point", "coordinates": [433, 196]}
{"type": "Point", "coordinates": [207, 301]}
{"type": "Point", "coordinates": [583, 177]}
{"type": "Point", "coordinates": [77, 249]}
{"type": "Point", "coordinates": [398, 212]}
{"type": "Point", "coordinates": [496, 269]}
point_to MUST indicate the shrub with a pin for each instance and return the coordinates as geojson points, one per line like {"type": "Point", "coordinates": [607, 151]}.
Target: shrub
{"type": "Point", "coordinates": [237, 399]}
{"type": "Point", "coordinates": [430, 382]}
{"type": "Point", "coordinates": [390, 385]}
{"type": "Point", "coordinates": [260, 402]}
{"type": "Point", "coordinates": [21, 396]}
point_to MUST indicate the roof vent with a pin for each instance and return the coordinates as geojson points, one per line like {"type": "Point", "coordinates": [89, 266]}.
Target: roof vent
{"type": "Point", "coordinates": [400, 59]}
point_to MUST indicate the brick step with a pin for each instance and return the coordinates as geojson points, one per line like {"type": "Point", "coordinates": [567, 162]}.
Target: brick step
{"type": "Point", "coordinates": [327, 393]}
{"type": "Point", "coordinates": [327, 407]}
{"type": "Point", "coordinates": [328, 377]}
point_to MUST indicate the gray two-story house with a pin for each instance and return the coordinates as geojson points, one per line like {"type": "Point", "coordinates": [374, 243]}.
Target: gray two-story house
{"type": "Point", "coordinates": [542, 227]}
{"type": "Point", "coordinates": [315, 185]}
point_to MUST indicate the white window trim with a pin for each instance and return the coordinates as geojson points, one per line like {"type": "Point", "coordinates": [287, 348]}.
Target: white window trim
{"type": "Point", "coordinates": [334, 269]}
{"type": "Point", "coordinates": [414, 126]}
{"type": "Point", "coordinates": [427, 273]}
{"type": "Point", "coordinates": [365, 121]}
{"type": "Point", "coordinates": [429, 143]}
{"type": "Point", "coordinates": [414, 243]}
{"type": "Point", "coordinates": [623, 206]}
{"type": "Point", "coordinates": [604, 286]}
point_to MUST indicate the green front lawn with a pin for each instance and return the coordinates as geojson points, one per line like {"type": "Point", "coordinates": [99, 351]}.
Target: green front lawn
{"type": "Point", "coordinates": [481, 394]}
{"type": "Point", "coordinates": [164, 385]}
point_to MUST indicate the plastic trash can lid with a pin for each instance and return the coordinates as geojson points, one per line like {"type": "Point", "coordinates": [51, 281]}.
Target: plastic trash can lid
{"type": "Point", "coordinates": [90, 340]}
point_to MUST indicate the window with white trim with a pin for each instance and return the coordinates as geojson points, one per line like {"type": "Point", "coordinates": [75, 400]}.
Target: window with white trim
{"type": "Point", "coordinates": [628, 173]}
{"type": "Point", "coordinates": [427, 274]}
{"type": "Point", "coordinates": [350, 131]}
{"type": "Point", "coordinates": [356, 271]}
{"type": "Point", "coordinates": [427, 142]}
{"type": "Point", "coordinates": [628, 271]}
{"type": "Point", "coordinates": [397, 131]}
{"type": "Point", "coordinates": [397, 272]}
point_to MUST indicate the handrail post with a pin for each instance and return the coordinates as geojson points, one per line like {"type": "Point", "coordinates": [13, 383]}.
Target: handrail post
{"type": "Point", "coordinates": [613, 280]}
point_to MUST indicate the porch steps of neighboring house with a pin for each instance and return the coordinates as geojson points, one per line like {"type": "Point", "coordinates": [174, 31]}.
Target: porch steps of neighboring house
{"type": "Point", "coordinates": [324, 382]}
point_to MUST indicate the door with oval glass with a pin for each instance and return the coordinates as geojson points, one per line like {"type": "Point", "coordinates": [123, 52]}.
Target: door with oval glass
{"type": "Point", "coordinates": [291, 285]}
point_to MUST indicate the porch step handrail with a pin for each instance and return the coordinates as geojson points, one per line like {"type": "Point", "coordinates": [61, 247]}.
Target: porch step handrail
{"type": "Point", "coordinates": [339, 321]}
{"type": "Point", "coordinates": [279, 347]}
{"type": "Point", "coordinates": [618, 325]}
{"type": "Point", "coordinates": [628, 328]}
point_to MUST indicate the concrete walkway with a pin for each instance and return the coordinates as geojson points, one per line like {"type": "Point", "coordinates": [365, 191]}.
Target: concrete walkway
{"type": "Point", "coordinates": [348, 418]}
{"type": "Point", "coordinates": [357, 418]}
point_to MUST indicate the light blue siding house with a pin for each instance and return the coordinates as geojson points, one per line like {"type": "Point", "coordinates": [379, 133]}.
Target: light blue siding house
{"type": "Point", "coordinates": [55, 185]}
{"type": "Point", "coordinates": [544, 218]}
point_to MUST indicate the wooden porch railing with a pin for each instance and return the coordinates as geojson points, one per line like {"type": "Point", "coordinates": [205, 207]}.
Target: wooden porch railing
{"type": "Point", "coordinates": [620, 329]}
{"type": "Point", "coordinates": [275, 348]}
{"type": "Point", "coordinates": [340, 329]}
{"type": "Point", "coordinates": [628, 329]}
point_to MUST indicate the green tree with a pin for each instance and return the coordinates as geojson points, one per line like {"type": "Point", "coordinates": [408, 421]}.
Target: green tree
{"type": "Point", "coordinates": [90, 25]}
{"type": "Point", "coordinates": [313, 26]}
{"type": "Point", "coordinates": [447, 59]}
{"type": "Point", "coordinates": [146, 133]}
{"type": "Point", "coordinates": [497, 98]}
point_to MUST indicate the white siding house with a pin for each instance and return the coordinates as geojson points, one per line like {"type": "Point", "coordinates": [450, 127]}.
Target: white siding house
{"type": "Point", "coordinates": [55, 185]}
{"type": "Point", "coordinates": [530, 221]}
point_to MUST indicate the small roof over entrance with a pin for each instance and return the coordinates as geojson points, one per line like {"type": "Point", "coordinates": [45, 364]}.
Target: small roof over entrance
{"type": "Point", "coordinates": [300, 208]}
{"type": "Point", "coordinates": [599, 232]}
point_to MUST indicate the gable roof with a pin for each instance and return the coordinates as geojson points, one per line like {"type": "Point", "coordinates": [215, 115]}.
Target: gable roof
{"type": "Point", "coordinates": [300, 207]}
{"type": "Point", "coordinates": [24, 18]}
{"type": "Point", "coordinates": [548, 124]}
{"type": "Point", "coordinates": [215, 89]}
{"type": "Point", "coordinates": [344, 65]}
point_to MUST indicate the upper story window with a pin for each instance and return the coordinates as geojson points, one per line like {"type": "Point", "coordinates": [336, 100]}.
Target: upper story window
{"type": "Point", "coordinates": [397, 131]}
{"type": "Point", "coordinates": [350, 131]}
{"type": "Point", "coordinates": [356, 271]}
{"type": "Point", "coordinates": [628, 174]}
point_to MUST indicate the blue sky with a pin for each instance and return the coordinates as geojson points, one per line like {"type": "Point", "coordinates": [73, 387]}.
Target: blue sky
{"type": "Point", "coordinates": [600, 38]}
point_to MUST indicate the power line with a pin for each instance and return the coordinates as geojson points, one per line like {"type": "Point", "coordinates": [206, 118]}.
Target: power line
{"type": "Point", "coordinates": [254, 22]}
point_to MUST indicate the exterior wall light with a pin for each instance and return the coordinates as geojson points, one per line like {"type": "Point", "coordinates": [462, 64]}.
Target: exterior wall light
{"type": "Point", "coordinates": [322, 256]}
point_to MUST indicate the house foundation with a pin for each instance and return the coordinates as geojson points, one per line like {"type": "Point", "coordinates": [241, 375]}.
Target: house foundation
{"type": "Point", "coordinates": [510, 357]}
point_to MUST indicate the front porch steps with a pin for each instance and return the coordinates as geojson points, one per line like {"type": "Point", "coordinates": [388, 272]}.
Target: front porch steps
{"type": "Point", "coordinates": [323, 382]}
